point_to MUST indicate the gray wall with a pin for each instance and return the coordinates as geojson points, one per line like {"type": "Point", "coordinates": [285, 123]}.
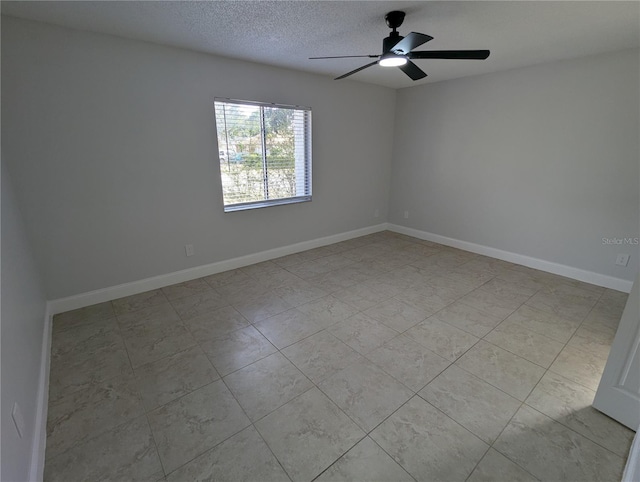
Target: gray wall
{"type": "Point", "coordinates": [112, 147]}
{"type": "Point", "coordinates": [22, 330]}
{"type": "Point", "coordinates": [540, 161]}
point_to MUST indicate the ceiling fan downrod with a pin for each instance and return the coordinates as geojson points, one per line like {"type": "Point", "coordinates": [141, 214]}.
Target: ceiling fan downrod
{"type": "Point", "coordinates": [394, 20]}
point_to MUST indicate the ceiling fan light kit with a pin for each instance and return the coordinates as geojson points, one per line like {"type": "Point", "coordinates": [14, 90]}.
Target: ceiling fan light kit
{"type": "Point", "coordinates": [397, 51]}
{"type": "Point", "coordinates": [392, 60]}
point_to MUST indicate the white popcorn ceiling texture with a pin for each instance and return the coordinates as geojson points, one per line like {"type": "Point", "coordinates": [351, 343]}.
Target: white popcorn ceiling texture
{"type": "Point", "coordinates": [285, 34]}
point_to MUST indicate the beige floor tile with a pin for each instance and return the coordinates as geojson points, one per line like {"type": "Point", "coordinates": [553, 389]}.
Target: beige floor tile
{"type": "Point", "coordinates": [550, 451]}
{"type": "Point", "coordinates": [473, 403]}
{"type": "Point", "coordinates": [428, 300]}
{"type": "Point", "coordinates": [360, 296]}
{"type": "Point", "coordinates": [240, 288]}
{"type": "Point", "coordinates": [300, 293]}
{"type": "Point", "coordinates": [428, 444]}
{"type": "Point", "coordinates": [487, 265]}
{"type": "Point", "coordinates": [470, 277]}
{"type": "Point", "coordinates": [445, 340]}
{"type": "Point", "coordinates": [365, 393]}
{"type": "Point", "coordinates": [367, 462]}
{"type": "Point", "coordinates": [495, 467]}
{"type": "Point", "coordinates": [592, 340]}
{"type": "Point", "coordinates": [441, 298]}
{"type": "Point", "coordinates": [468, 318]}
{"type": "Point", "coordinates": [136, 302]}
{"type": "Point", "coordinates": [420, 250]}
{"type": "Point", "coordinates": [289, 327]}
{"type": "Point", "coordinates": [328, 310]}
{"type": "Point", "coordinates": [393, 260]}
{"type": "Point", "coordinates": [502, 369]}
{"type": "Point", "coordinates": [225, 278]}
{"type": "Point", "coordinates": [337, 261]}
{"type": "Point", "coordinates": [366, 252]}
{"type": "Point", "coordinates": [601, 319]}
{"type": "Point", "coordinates": [81, 316]}
{"type": "Point", "coordinates": [323, 251]}
{"type": "Point", "coordinates": [570, 404]}
{"type": "Point", "coordinates": [154, 344]}
{"type": "Point", "coordinates": [289, 260]}
{"type": "Point", "coordinates": [614, 297]}
{"type": "Point", "coordinates": [564, 301]}
{"type": "Point", "coordinates": [408, 362]}
{"type": "Point", "coordinates": [267, 384]}
{"type": "Point", "coordinates": [85, 355]}
{"type": "Point", "coordinates": [162, 314]}
{"type": "Point", "coordinates": [499, 286]}
{"type": "Point", "coordinates": [543, 323]}
{"type": "Point", "coordinates": [321, 355]}
{"type": "Point", "coordinates": [216, 323]}
{"type": "Point", "coordinates": [410, 277]}
{"type": "Point", "coordinates": [237, 350]}
{"type": "Point", "coordinates": [76, 418]}
{"type": "Point", "coordinates": [562, 281]}
{"type": "Point", "coordinates": [310, 268]}
{"type": "Point", "coordinates": [336, 280]}
{"type": "Point", "coordinates": [258, 269]}
{"type": "Point", "coordinates": [188, 288]}
{"type": "Point", "coordinates": [523, 278]}
{"type": "Point", "coordinates": [308, 434]}
{"type": "Point", "coordinates": [67, 342]}
{"type": "Point", "coordinates": [169, 378]}
{"type": "Point", "coordinates": [396, 314]}
{"type": "Point", "coordinates": [191, 425]}
{"type": "Point", "coordinates": [280, 278]}
{"type": "Point", "coordinates": [244, 456]}
{"type": "Point", "coordinates": [579, 366]}
{"type": "Point", "coordinates": [198, 304]}
{"type": "Point", "coordinates": [261, 306]}
{"type": "Point", "coordinates": [126, 452]}
{"type": "Point", "coordinates": [500, 305]}
{"type": "Point", "coordinates": [525, 343]}
{"type": "Point", "coordinates": [450, 290]}
{"type": "Point", "coordinates": [444, 260]}
{"type": "Point", "coordinates": [362, 333]}
{"type": "Point", "coordinates": [383, 288]}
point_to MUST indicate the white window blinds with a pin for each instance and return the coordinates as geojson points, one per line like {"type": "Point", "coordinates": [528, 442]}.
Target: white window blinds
{"type": "Point", "coordinates": [264, 153]}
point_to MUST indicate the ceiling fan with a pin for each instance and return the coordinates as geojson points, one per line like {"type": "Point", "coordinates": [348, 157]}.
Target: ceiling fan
{"type": "Point", "coordinates": [397, 51]}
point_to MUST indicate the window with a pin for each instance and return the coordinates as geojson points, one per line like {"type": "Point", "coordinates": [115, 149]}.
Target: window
{"type": "Point", "coordinates": [264, 153]}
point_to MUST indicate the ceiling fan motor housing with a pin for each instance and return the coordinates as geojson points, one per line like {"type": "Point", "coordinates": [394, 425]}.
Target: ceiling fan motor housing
{"type": "Point", "coordinates": [389, 42]}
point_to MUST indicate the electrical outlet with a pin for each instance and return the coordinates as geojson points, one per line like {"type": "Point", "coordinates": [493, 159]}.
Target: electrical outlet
{"type": "Point", "coordinates": [18, 421]}
{"type": "Point", "coordinates": [188, 249]}
{"type": "Point", "coordinates": [406, 214]}
{"type": "Point", "coordinates": [622, 259]}
{"type": "Point", "coordinates": [376, 213]}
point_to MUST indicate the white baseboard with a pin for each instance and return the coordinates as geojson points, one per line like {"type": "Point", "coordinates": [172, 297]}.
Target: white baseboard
{"type": "Point", "coordinates": [36, 470]}
{"type": "Point", "coordinates": [632, 469]}
{"type": "Point", "coordinates": [548, 266]}
{"type": "Point", "coordinates": [114, 292]}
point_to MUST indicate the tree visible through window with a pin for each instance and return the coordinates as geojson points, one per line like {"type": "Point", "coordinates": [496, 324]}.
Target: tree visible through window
{"type": "Point", "coordinates": [264, 153]}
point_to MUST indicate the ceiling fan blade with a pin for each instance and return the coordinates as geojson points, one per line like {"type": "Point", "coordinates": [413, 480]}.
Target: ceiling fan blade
{"type": "Point", "coordinates": [357, 70]}
{"type": "Point", "coordinates": [450, 54]}
{"type": "Point", "coordinates": [345, 57]}
{"type": "Point", "coordinates": [413, 71]}
{"type": "Point", "coordinates": [410, 42]}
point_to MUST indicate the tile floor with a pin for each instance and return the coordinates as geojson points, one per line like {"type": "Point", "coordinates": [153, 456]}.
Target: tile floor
{"type": "Point", "coordinates": [380, 358]}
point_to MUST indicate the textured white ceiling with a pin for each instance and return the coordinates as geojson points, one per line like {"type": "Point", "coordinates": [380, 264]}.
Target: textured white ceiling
{"type": "Point", "coordinates": [285, 33]}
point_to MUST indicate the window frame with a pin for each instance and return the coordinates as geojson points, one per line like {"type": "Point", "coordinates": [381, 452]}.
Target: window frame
{"type": "Point", "coordinates": [306, 159]}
